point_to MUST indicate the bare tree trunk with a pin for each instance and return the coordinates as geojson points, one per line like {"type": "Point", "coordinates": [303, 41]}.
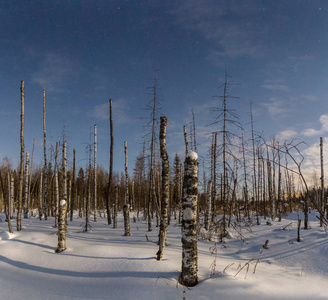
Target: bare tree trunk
{"type": "Point", "coordinates": [165, 189]}
{"type": "Point", "coordinates": [188, 276]}
{"type": "Point", "coordinates": [322, 195]}
{"type": "Point", "coordinates": [29, 204]}
{"type": "Point", "coordinates": [110, 162]}
{"type": "Point", "coordinates": [185, 139]}
{"type": "Point", "coordinates": [11, 203]}
{"type": "Point", "coordinates": [40, 196]}
{"type": "Point", "coordinates": [95, 174]}
{"type": "Point", "coordinates": [126, 208]}
{"type": "Point", "coordinates": [21, 168]}
{"type": "Point", "coordinates": [279, 188]}
{"type": "Point", "coordinates": [115, 208]}
{"type": "Point", "coordinates": [214, 195]}
{"type": "Point", "coordinates": [57, 200]}
{"type": "Point", "coordinates": [73, 187]}
{"type": "Point", "coordinates": [62, 227]}
{"type": "Point", "coordinates": [64, 209]}
{"type": "Point", "coordinates": [45, 156]}
{"type": "Point", "coordinates": [270, 193]}
{"type": "Point", "coordinates": [208, 206]}
{"type": "Point", "coordinates": [26, 188]}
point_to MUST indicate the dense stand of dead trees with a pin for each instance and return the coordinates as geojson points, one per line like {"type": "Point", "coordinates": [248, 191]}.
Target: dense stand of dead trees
{"type": "Point", "coordinates": [246, 180]}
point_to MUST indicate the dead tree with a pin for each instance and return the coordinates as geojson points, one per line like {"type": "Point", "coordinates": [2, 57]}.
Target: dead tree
{"type": "Point", "coordinates": [208, 206]}
{"type": "Point", "coordinates": [115, 207]}
{"type": "Point", "coordinates": [188, 276]}
{"type": "Point", "coordinates": [165, 189]}
{"type": "Point", "coordinates": [62, 226]}
{"type": "Point", "coordinates": [45, 173]}
{"type": "Point", "coordinates": [26, 187]}
{"type": "Point", "coordinates": [95, 173]}
{"type": "Point", "coordinates": [73, 188]}
{"type": "Point", "coordinates": [110, 162]}
{"type": "Point", "coordinates": [21, 166]}
{"type": "Point", "coordinates": [126, 207]}
{"type": "Point", "coordinates": [322, 195]}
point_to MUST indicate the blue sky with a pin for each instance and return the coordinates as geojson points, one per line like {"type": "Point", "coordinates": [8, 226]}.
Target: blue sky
{"type": "Point", "coordinates": [85, 52]}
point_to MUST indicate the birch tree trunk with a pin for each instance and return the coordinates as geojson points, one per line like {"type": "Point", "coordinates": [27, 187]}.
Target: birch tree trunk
{"type": "Point", "coordinates": [62, 227]}
{"type": "Point", "coordinates": [21, 168]}
{"type": "Point", "coordinates": [95, 174]}
{"type": "Point", "coordinates": [165, 189]}
{"type": "Point", "coordinates": [188, 276]}
{"type": "Point", "coordinates": [26, 193]}
{"type": "Point", "coordinates": [126, 207]}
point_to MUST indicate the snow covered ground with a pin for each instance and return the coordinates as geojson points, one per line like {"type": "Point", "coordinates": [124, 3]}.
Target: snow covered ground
{"type": "Point", "coordinates": [104, 264]}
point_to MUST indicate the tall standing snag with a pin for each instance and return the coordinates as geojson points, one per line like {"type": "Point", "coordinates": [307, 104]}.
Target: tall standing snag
{"type": "Point", "coordinates": [126, 207]}
{"type": "Point", "coordinates": [188, 276]}
{"type": "Point", "coordinates": [165, 189]}
{"type": "Point", "coordinates": [95, 173]}
{"type": "Point", "coordinates": [45, 173]}
{"type": "Point", "coordinates": [110, 161]}
{"type": "Point", "coordinates": [21, 167]}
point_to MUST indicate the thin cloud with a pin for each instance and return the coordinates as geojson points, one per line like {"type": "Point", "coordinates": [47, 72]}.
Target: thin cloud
{"type": "Point", "coordinates": [275, 107]}
{"type": "Point", "coordinates": [120, 111]}
{"type": "Point", "coordinates": [276, 87]}
{"type": "Point", "coordinates": [310, 132]}
{"type": "Point", "coordinates": [55, 72]}
{"type": "Point", "coordinates": [287, 134]}
{"type": "Point", "coordinates": [216, 22]}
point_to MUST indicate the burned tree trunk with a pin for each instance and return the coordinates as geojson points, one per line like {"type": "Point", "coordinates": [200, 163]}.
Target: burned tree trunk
{"type": "Point", "coordinates": [208, 206]}
{"type": "Point", "coordinates": [26, 193]}
{"type": "Point", "coordinates": [45, 156]}
{"type": "Point", "coordinates": [188, 276]}
{"type": "Point", "coordinates": [115, 208]}
{"type": "Point", "coordinates": [109, 221]}
{"type": "Point", "coordinates": [95, 174]}
{"type": "Point", "coordinates": [126, 207]}
{"type": "Point", "coordinates": [21, 168]}
{"type": "Point", "coordinates": [165, 189]}
{"type": "Point", "coordinates": [73, 187]}
{"type": "Point", "coordinates": [322, 195]}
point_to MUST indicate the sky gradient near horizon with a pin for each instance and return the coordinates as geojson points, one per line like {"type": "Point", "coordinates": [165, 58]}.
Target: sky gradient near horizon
{"type": "Point", "coordinates": [85, 52]}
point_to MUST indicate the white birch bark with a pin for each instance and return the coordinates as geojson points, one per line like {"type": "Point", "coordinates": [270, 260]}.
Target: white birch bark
{"type": "Point", "coordinates": [165, 189]}
{"type": "Point", "coordinates": [188, 276]}
{"type": "Point", "coordinates": [62, 226]}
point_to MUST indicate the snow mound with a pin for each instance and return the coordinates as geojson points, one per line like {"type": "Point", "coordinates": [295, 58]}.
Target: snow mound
{"type": "Point", "coordinates": [193, 155]}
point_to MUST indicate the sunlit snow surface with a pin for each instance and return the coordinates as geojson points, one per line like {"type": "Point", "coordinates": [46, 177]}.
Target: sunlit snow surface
{"type": "Point", "coordinates": [104, 264]}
